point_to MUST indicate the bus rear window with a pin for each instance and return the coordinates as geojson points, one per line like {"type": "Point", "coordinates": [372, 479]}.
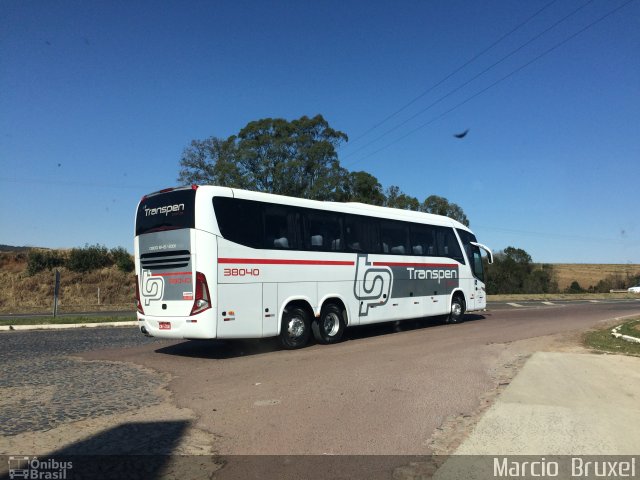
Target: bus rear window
{"type": "Point", "coordinates": [166, 211]}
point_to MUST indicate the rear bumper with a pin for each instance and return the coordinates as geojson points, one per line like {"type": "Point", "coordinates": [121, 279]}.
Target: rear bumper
{"type": "Point", "coordinates": [198, 326]}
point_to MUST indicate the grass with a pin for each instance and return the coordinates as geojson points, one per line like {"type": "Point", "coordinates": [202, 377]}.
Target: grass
{"type": "Point", "coordinates": [603, 341]}
{"type": "Point", "coordinates": [590, 274]}
{"type": "Point", "coordinates": [560, 296]}
{"type": "Point", "coordinates": [49, 320]}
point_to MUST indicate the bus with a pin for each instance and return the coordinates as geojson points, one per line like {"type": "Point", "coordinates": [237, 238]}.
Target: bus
{"type": "Point", "coordinates": [217, 262]}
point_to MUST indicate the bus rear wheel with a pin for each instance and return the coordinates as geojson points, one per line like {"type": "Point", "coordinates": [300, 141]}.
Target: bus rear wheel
{"type": "Point", "coordinates": [330, 326]}
{"type": "Point", "coordinates": [457, 310]}
{"type": "Point", "coordinates": [296, 329]}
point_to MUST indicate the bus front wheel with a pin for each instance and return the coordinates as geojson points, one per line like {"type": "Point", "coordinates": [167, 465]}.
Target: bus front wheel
{"type": "Point", "coordinates": [457, 310]}
{"type": "Point", "coordinates": [296, 328]}
{"type": "Point", "coordinates": [330, 326]}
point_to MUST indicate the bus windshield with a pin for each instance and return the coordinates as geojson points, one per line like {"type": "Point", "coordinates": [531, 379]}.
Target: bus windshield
{"type": "Point", "coordinates": [473, 253]}
{"type": "Point", "coordinates": [166, 211]}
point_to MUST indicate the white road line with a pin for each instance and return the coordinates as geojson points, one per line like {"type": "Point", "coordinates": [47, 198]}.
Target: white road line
{"type": "Point", "coordinates": [594, 301]}
{"type": "Point", "coordinates": [515, 304]}
{"type": "Point", "coordinates": [61, 326]}
{"type": "Point", "coordinates": [548, 303]}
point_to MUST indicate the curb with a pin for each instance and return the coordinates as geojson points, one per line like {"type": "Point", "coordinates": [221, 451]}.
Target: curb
{"type": "Point", "coordinates": [628, 338]}
{"type": "Point", "coordinates": [62, 326]}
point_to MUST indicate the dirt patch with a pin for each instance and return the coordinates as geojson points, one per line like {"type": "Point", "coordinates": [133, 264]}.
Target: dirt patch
{"type": "Point", "coordinates": [511, 358]}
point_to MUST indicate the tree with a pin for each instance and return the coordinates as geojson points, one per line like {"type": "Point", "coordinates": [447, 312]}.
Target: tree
{"type": "Point", "coordinates": [362, 187]}
{"type": "Point", "coordinates": [212, 161]}
{"type": "Point", "coordinates": [296, 158]}
{"type": "Point", "coordinates": [442, 206]}
{"type": "Point", "coordinates": [513, 272]}
{"type": "Point", "coordinates": [396, 198]}
{"type": "Point", "coordinates": [575, 288]}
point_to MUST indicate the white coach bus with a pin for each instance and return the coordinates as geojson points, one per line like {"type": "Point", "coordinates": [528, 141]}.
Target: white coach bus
{"type": "Point", "coordinates": [216, 262]}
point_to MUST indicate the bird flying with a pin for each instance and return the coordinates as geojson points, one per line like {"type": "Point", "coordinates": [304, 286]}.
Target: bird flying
{"type": "Point", "coordinates": [462, 134]}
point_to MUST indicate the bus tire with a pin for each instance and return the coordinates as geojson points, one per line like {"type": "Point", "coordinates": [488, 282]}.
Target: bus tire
{"type": "Point", "coordinates": [456, 313]}
{"type": "Point", "coordinates": [330, 326]}
{"type": "Point", "coordinates": [296, 328]}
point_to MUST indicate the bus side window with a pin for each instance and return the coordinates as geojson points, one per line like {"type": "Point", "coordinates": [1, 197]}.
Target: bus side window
{"type": "Point", "coordinates": [278, 228]}
{"type": "Point", "coordinates": [239, 221]}
{"type": "Point", "coordinates": [322, 231]}
{"type": "Point", "coordinates": [448, 245]}
{"type": "Point", "coordinates": [361, 234]}
{"type": "Point", "coordinates": [423, 240]}
{"type": "Point", "coordinates": [395, 237]}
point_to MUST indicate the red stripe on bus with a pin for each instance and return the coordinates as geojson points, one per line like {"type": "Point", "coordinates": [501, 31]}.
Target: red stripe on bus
{"type": "Point", "coordinates": [272, 261]}
{"type": "Point", "coordinates": [170, 273]}
{"type": "Point", "coordinates": [403, 264]}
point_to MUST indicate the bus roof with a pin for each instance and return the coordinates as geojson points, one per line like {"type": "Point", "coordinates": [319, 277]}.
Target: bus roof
{"type": "Point", "coordinates": [343, 207]}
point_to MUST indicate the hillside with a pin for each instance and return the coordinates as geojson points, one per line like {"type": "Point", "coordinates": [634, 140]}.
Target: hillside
{"type": "Point", "coordinates": [20, 292]}
{"type": "Point", "coordinates": [589, 274]}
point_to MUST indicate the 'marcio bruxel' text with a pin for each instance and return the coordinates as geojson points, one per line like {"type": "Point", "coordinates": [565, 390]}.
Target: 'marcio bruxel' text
{"type": "Point", "coordinates": [579, 468]}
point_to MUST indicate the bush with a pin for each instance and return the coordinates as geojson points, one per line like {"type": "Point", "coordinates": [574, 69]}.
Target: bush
{"type": "Point", "coordinates": [514, 272]}
{"type": "Point", "coordinates": [91, 257]}
{"type": "Point", "coordinates": [575, 288]}
{"type": "Point", "coordinates": [122, 259]}
{"type": "Point", "coordinates": [38, 260]}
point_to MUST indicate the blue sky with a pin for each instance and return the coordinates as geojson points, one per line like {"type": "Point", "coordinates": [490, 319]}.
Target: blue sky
{"type": "Point", "coordinates": [99, 99]}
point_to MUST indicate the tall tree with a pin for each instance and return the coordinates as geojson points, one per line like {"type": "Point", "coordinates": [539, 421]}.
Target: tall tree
{"type": "Point", "coordinates": [362, 187]}
{"type": "Point", "coordinates": [296, 158]}
{"type": "Point", "coordinates": [396, 198]}
{"type": "Point", "coordinates": [212, 161]}
{"type": "Point", "coordinates": [442, 206]}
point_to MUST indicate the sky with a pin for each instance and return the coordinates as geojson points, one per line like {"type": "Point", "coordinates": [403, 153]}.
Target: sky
{"type": "Point", "coordinates": [98, 100]}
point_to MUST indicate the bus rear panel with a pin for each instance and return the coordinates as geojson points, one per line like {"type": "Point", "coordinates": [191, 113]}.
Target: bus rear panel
{"type": "Point", "coordinates": [174, 294]}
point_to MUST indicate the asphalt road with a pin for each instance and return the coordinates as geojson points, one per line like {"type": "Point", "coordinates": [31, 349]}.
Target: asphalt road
{"type": "Point", "coordinates": [387, 389]}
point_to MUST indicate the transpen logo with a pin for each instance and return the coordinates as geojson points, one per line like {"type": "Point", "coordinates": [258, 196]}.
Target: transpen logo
{"type": "Point", "coordinates": [375, 284]}
{"type": "Point", "coordinates": [152, 287]}
{"type": "Point", "coordinates": [164, 210]}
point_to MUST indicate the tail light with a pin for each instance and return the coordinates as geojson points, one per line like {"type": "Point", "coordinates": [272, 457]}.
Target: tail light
{"type": "Point", "coordinates": [138, 302]}
{"type": "Point", "coordinates": [202, 300]}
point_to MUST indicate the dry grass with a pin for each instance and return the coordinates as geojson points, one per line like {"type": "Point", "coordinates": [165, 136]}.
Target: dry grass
{"type": "Point", "coordinates": [590, 274]}
{"type": "Point", "coordinates": [78, 291]}
{"type": "Point", "coordinates": [523, 297]}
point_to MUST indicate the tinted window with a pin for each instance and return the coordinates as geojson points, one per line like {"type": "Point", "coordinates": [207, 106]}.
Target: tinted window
{"type": "Point", "coordinates": [280, 227]}
{"type": "Point", "coordinates": [323, 231]}
{"type": "Point", "coordinates": [473, 253]}
{"type": "Point", "coordinates": [394, 237]}
{"type": "Point", "coordinates": [257, 224]}
{"type": "Point", "coordinates": [166, 211]}
{"type": "Point", "coordinates": [423, 240]}
{"type": "Point", "coordinates": [361, 234]}
{"type": "Point", "coordinates": [448, 245]}
{"type": "Point", "coordinates": [239, 221]}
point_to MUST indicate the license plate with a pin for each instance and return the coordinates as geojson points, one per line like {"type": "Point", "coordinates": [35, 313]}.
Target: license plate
{"type": "Point", "coordinates": [165, 325]}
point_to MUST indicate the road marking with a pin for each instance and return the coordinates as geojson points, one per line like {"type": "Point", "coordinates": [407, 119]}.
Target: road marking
{"type": "Point", "coordinates": [515, 304]}
{"type": "Point", "coordinates": [594, 301]}
{"type": "Point", "coordinates": [548, 303]}
{"type": "Point", "coordinates": [60, 326]}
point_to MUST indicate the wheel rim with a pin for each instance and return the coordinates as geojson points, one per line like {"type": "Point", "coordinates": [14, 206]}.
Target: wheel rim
{"type": "Point", "coordinates": [456, 309]}
{"type": "Point", "coordinates": [331, 324]}
{"type": "Point", "coordinates": [296, 327]}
